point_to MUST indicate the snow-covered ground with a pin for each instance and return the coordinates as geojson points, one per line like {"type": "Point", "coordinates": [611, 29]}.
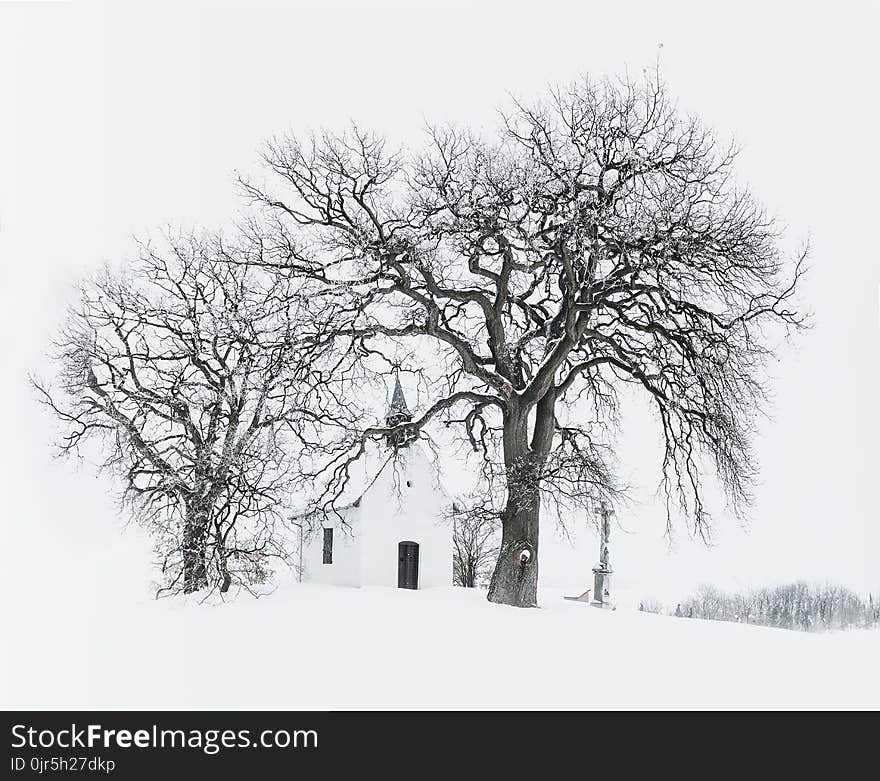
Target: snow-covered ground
{"type": "Point", "coordinates": [324, 647]}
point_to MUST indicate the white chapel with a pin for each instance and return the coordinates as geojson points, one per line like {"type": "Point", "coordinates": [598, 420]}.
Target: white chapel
{"type": "Point", "coordinates": [394, 532]}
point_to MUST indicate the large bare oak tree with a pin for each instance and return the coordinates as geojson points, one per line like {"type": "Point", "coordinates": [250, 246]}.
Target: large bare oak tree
{"type": "Point", "coordinates": [597, 240]}
{"type": "Point", "coordinates": [184, 367]}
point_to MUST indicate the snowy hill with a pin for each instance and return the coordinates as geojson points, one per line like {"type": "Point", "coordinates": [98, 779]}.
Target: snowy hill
{"type": "Point", "coordinates": [323, 647]}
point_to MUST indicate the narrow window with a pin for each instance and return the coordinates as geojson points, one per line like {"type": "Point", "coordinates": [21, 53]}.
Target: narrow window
{"type": "Point", "coordinates": [328, 546]}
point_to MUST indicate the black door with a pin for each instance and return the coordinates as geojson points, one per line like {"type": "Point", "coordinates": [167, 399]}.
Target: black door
{"type": "Point", "coordinates": [408, 565]}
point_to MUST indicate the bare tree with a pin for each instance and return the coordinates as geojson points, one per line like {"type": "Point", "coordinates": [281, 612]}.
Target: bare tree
{"type": "Point", "coordinates": [182, 369]}
{"type": "Point", "coordinates": [476, 525]}
{"type": "Point", "coordinates": [650, 606]}
{"type": "Point", "coordinates": [798, 605]}
{"type": "Point", "coordinates": [596, 242]}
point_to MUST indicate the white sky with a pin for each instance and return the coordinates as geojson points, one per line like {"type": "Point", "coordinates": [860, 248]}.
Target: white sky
{"type": "Point", "coordinates": [114, 121]}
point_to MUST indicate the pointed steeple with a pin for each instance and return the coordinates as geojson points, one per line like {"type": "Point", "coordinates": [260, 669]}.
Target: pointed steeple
{"type": "Point", "coordinates": [398, 409]}
{"type": "Point", "coordinates": [398, 413]}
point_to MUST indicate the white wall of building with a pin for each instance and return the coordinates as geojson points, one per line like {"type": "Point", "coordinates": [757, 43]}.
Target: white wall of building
{"type": "Point", "coordinates": [406, 503]}
{"type": "Point", "coordinates": [346, 569]}
{"type": "Point", "coordinates": [403, 502]}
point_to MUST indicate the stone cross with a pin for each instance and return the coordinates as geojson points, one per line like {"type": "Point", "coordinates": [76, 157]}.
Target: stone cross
{"type": "Point", "coordinates": [602, 570]}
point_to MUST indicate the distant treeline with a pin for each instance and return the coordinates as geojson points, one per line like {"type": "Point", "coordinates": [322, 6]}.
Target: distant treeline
{"type": "Point", "coordinates": [800, 605]}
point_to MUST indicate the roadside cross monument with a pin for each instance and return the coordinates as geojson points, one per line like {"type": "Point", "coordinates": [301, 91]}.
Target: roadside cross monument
{"type": "Point", "coordinates": [602, 571]}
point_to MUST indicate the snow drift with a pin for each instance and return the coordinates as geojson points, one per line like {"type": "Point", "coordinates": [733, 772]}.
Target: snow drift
{"type": "Point", "coordinates": [323, 647]}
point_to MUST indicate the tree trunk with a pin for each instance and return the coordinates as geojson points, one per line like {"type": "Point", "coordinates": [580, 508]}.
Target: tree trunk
{"type": "Point", "coordinates": [515, 579]}
{"type": "Point", "coordinates": [195, 574]}
{"type": "Point", "coordinates": [472, 573]}
{"type": "Point", "coordinates": [223, 565]}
